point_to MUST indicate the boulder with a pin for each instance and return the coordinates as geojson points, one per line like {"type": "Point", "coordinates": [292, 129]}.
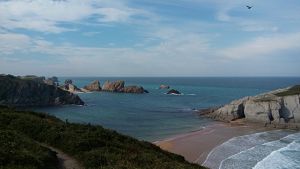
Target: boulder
{"type": "Point", "coordinates": [134, 89]}
{"type": "Point", "coordinates": [19, 92]}
{"type": "Point", "coordinates": [94, 86]}
{"type": "Point", "coordinates": [164, 87]}
{"type": "Point", "coordinates": [173, 91]}
{"type": "Point", "coordinates": [117, 86]}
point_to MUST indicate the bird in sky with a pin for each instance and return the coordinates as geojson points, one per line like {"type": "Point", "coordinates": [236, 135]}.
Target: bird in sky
{"type": "Point", "coordinates": [249, 7]}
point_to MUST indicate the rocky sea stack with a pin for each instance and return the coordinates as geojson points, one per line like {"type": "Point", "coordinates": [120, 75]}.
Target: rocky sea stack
{"type": "Point", "coordinates": [173, 91]}
{"type": "Point", "coordinates": [94, 86]}
{"type": "Point", "coordinates": [119, 86]}
{"type": "Point", "coordinates": [15, 91]}
{"type": "Point", "coordinates": [280, 108]}
{"type": "Point", "coordinates": [70, 87]}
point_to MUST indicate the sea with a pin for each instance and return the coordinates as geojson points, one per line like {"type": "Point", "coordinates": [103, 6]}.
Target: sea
{"type": "Point", "coordinates": [156, 116]}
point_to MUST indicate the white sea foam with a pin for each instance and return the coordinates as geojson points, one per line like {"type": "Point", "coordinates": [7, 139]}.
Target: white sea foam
{"type": "Point", "coordinates": [249, 158]}
{"type": "Point", "coordinates": [284, 158]}
{"type": "Point", "coordinates": [238, 144]}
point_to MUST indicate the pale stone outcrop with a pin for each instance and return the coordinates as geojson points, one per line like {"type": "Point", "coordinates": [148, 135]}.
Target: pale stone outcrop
{"type": "Point", "coordinates": [268, 108]}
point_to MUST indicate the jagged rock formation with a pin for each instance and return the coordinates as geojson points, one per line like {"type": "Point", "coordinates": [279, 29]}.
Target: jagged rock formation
{"type": "Point", "coordinates": [173, 91]}
{"type": "Point", "coordinates": [116, 86]}
{"type": "Point", "coordinates": [71, 88]}
{"type": "Point", "coordinates": [119, 86]}
{"type": "Point", "coordinates": [94, 86]}
{"type": "Point", "coordinates": [51, 81]}
{"type": "Point", "coordinates": [134, 89]}
{"type": "Point", "coordinates": [279, 108]}
{"type": "Point", "coordinates": [15, 91]}
{"type": "Point", "coordinates": [164, 87]}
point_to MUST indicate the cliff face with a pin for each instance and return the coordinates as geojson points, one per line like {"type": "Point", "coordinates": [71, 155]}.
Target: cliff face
{"type": "Point", "coordinates": [19, 92]}
{"type": "Point", "coordinates": [278, 108]}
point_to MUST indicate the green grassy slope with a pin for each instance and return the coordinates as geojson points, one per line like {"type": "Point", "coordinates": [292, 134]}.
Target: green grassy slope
{"type": "Point", "coordinates": [17, 151]}
{"type": "Point", "coordinates": [93, 146]}
{"type": "Point", "coordinates": [292, 91]}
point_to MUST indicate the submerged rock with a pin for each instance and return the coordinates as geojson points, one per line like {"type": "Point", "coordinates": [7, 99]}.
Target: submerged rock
{"type": "Point", "coordinates": [19, 92]}
{"type": "Point", "coordinates": [94, 86]}
{"type": "Point", "coordinates": [164, 87]}
{"type": "Point", "coordinates": [173, 91]}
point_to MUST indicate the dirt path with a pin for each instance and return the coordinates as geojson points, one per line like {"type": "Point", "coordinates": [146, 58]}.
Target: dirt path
{"type": "Point", "coordinates": [65, 161]}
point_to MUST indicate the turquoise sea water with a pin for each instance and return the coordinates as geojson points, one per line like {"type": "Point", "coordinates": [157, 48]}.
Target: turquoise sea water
{"type": "Point", "coordinates": [156, 116]}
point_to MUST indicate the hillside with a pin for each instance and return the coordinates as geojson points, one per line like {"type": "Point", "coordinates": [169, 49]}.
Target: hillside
{"type": "Point", "coordinates": [93, 146]}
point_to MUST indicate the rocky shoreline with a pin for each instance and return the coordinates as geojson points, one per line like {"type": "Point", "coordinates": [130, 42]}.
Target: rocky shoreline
{"type": "Point", "coordinates": [279, 109]}
{"type": "Point", "coordinates": [30, 90]}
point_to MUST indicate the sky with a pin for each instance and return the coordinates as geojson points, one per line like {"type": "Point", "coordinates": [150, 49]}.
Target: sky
{"type": "Point", "coordinates": [150, 37]}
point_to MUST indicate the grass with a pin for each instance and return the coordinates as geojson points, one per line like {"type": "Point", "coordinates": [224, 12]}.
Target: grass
{"type": "Point", "coordinates": [295, 90]}
{"type": "Point", "coordinates": [19, 151]}
{"type": "Point", "coordinates": [93, 146]}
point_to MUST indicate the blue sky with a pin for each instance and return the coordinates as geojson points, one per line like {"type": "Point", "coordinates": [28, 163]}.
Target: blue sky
{"type": "Point", "coordinates": [150, 37]}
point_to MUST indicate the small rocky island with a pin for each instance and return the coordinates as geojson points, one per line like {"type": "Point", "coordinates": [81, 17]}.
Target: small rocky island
{"type": "Point", "coordinates": [32, 91]}
{"type": "Point", "coordinates": [174, 92]}
{"type": "Point", "coordinates": [115, 86]}
{"type": "Point", "coordinates": [119, 86]}
{"type": "Point", "coordinates": [279, 108]}
{"type": "Point", "coordinates": [92, 87]}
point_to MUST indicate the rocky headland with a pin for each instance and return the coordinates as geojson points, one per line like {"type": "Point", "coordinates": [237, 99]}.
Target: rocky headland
{"type": "Point", "coordinates": [29, 91]}
{"type": "Point", "coordinates": [279, 108]}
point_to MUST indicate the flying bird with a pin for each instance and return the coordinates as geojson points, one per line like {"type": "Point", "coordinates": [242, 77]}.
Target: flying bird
{"type": "Point", "coordinates": [249, 7]}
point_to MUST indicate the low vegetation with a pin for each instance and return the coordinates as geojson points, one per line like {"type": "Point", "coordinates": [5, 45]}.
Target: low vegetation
{"type": "Point", "coordinates": [17, 151]}
{"type": "Point", "coordinates": [93, 146]}
{"type": "Point", "coordinates": [291, 91]}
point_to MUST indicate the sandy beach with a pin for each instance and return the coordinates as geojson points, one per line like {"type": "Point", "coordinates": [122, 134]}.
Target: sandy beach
{"type": "Point", "coordinates": [195, 146]}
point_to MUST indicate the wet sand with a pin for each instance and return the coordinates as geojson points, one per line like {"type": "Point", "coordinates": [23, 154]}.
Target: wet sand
{"type": "Point", "coordinates": [195, 146]}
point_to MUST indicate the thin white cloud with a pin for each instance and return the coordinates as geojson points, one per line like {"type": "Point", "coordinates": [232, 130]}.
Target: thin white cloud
{"type": "Point", "coordinates": [48, 15]}
{"type": "Point", "coordinates": [176, 49]}
{"type": "Point", "coordinates": [263, 46]}
{"type": "Point", "coordinates": [11, 42]}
